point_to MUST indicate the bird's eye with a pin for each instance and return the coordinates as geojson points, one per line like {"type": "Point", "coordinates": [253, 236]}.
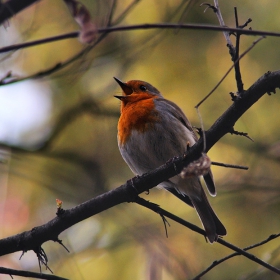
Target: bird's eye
{"type": "Point", "coordinates": [143, 88]}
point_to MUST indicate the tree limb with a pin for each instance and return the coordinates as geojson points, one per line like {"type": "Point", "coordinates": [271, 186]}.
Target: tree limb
{"type": "Point", "coordinates": [12, 7]}
{"type": "Point", "coordinates": [217, 262]}
{"type": "Point", "coordinates": [239, 251]}
{"type": "Point", "coordinates": [29, 274]}
{"type": "Point", "coordinates": [30, 240]}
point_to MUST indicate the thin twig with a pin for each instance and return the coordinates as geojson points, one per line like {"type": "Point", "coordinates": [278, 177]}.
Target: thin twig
{"type": "Point", "coordinates": [185, 10]}
{"type": "Point", "coordinates": [75, 34]}
{"type": "Point", "coordinates": [60, 242]}
{"type": "Point", "coordinates": [111, 13]}
{"type": "Point", "coordinates": [192, 227]}
{"type": "Point", "coordinates": [241, 56]}
{"type": "Point", "coordinates": [29, 274]}
{"type": "Point", "coordinates": [234, 51]}
{"type": "Point", "coordinates": [202, 131]}
{"type": "Point", "coordinates": [126, 11]}
{"type": "Point", "coordinates": [187, 26]}
{"type": "Point", "coordinates": [105, 31]}
{"type": "Point", "coordinates": [70, 35]}
{"type": "Point", "coordinates": [229, 165]}
{"type": "Point", "coordinates": [222, 23]}
{"type": "Point", "coordinates": [245, 134]}
{"type": "Point", "coordinates": [238, 77]}
{"type": "Point", "coordinates": [215, 263]}
{"type": "Point", "coordinates": [125, 193]}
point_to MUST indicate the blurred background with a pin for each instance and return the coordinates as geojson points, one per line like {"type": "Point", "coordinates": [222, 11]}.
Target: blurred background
{"type": "Point", "coordinates": [58, 138]}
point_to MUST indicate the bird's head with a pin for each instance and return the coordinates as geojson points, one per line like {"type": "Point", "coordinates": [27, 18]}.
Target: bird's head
{"type": "Point", "coordinates": [136, 90]}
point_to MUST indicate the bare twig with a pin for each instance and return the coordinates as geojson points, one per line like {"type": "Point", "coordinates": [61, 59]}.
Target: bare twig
{"type": "Point", "coordinates": [202, 132]}
{"type": "Point", "coordinates": [60, 242]}
{"type": "Point", "coordinates": [185, 10]}
{"type": "Point", "coordinates": [229, 165]}
{"type": "Point", "coordinates": [126, 11]}
{"type": "Point", "coordinates": [241, 56]}
{"type": "Point", "coordinates": [236, 56]}
{"type": "Point", "coordinates": [222, 23]}
{"type": "Point", "coordinates": [238, 250]}
{"type": "Point", "coordinates": [29, 240]}
{"type": "Point", "coordinates": [29, 274]}
{"type": "Point", "coordinates": [12, 7]}
{"type": "Point", "coordinates": [42, 258]}
{"type": "Point", "coordinates": [234, 51]}
{"type": "Point", "coordinates": [245, 134]}
{"type": "Point", "coordinates": [111, 13]}
{"type": "Point", "coordinates": [75, 34]}
{"type": "Point", "coordinates": [105, 31]}
{"type": "Point", "coordinates": [215, 263]}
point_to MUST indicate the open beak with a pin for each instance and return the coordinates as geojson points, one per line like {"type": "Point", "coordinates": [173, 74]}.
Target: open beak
{"type": "Point", "coordinates": [120, 97]}
{"type": "Point", "coordinates": [126, 89]}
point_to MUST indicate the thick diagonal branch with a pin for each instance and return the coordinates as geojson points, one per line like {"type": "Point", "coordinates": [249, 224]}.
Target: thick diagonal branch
{"type": "Point", "coordinates": [128, 192]}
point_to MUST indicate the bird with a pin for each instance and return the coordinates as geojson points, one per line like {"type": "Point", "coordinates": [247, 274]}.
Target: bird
{"type": "Point", "coordinates": [151, 131]}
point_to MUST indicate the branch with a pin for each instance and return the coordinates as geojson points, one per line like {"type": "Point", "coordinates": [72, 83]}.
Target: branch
{"type": "Point", "coordinates": [12, 7]}
{"type": "Point", "coordinates": [29, 274]}
{"type": "Point", "coordinates": [75, 34]}
{"type": "Point", "coordinates": [222, 23]}
{"type": "Point", "coordinates": [228, 71]}
{"type": "Point", "coordinates": [128, 192]}
{"type": "Point", "coordinates": [215, 263]}
{"type": "Point", "coordinates": [187, 26]}
{"type": "Point", "coordinates": [265, 84]}
{"type": "Point", "coordinates": [238, 77]}
{"type": "Point", "coordinates": [105, 31]}
{"type": "Point", "coordinates": [239, 251]}
{"type": "Point", "coordinates": [229, 165]}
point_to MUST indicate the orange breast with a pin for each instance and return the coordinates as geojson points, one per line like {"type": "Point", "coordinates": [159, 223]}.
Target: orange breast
{"type": "Point", "coordinates": [137, 115]}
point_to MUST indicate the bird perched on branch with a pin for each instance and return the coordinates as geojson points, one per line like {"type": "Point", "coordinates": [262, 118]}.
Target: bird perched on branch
{"type": "Point", "coordinates": [152, 130]}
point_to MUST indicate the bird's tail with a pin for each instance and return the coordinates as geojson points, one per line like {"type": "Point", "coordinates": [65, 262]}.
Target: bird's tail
{"type": "Point", "coordinates": [211, 223]}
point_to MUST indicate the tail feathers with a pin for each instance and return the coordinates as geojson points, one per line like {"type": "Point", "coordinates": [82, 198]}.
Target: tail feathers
{"type": "Point", "coordinates": [184, 198]}
{"type": "Point", "coordinates": [209, 180]}
{"type": "Point", "coordinates": [191, 192]}
{"type": "Point", "coordinates": [212, 225]}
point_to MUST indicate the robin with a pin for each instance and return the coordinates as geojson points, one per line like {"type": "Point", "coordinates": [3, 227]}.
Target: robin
{"type": "Point", "coordinates": [151, 130]}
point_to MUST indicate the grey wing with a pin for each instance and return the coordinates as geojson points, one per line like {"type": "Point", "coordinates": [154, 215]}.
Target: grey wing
{"type": "Point", "coordinates": [178, 114]}
{"type": "Point", "coordinates": [176, 111]}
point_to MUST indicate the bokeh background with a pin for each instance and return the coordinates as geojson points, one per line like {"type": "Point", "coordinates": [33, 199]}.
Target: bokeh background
{"type": "Point", "coordinates": [58, 139]}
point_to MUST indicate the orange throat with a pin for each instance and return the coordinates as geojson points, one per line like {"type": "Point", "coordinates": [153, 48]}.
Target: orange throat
{"type": "Point", "coordinates": [136, 114]}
